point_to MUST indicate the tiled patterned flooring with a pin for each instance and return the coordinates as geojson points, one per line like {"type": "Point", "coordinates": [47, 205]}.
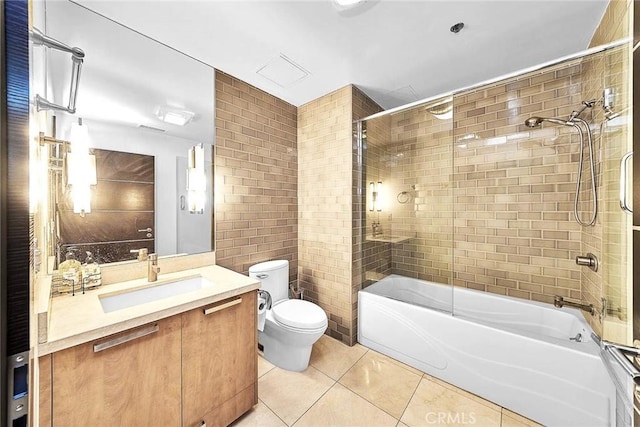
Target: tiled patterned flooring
{"type": "Point", "coordinates": [355, 386]}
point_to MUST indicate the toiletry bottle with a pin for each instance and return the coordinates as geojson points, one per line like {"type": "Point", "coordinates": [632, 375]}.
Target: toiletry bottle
{"type": "Point", "coordinates": [91, 272]}
{"type": "Point", "coordinates": [71, 271]}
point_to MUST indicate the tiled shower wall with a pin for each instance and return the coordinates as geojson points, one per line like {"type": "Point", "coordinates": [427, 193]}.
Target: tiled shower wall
{"type": "Point", "coordinates": [514, 186]}
{"type": "Point", "coordinates": [421, 195]}
{"type": "Point", "coordinates": [330, 216]}
{"type": "Point", "coordinates": [493, 211]}
{"type": "Point", "coordinates": [256, 171]}
{"type": "Point", "coordinates": [325, 217]}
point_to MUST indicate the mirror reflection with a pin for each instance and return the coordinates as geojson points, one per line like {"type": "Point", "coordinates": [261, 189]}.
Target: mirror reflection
{"type": "Point", "coordinates": [147, 114]}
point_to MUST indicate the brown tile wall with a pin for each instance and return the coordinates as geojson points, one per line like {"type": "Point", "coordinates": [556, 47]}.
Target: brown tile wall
{"type": "Point", "coordinates": [325, 207]}
{"type": "Point", "coordinates": [256, 177]}
{"type": "Point", "coordinates": [330, 214]}
{"type": "Point", "coordinates": [514, 231]}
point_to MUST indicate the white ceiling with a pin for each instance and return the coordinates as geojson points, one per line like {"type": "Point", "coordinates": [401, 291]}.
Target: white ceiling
{"type": "Point", "coordinates": [125, 77]}
{"type": "Point", "coordinates": [395, 51]}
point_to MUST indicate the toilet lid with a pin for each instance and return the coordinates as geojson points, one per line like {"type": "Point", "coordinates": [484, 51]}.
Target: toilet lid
{"type": "Point", "coordinates": [297, 313]}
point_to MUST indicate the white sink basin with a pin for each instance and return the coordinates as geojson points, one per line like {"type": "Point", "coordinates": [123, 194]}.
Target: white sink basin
{"type": "Point", "coordinates": [131, 298]}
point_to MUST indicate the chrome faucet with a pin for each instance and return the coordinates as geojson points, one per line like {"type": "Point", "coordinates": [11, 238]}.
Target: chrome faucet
{"type": "Point", "coordinates": [143, 253]}
{"type": "Point", "coordinates": [153, 269]}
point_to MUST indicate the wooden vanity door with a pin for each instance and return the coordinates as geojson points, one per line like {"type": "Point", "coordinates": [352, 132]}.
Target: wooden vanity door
{"type": "Point", "coordinates": [132, 383]}
{"type": "Point", "coordinates": [219, 361]}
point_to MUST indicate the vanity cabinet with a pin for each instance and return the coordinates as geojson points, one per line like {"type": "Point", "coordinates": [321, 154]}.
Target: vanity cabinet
{"type": "Point", "coordinates": [193, 369]}
{"type": "Point", "coordinates": [219, 361]}
{"type": "Point", "coordinates": [126, 379]}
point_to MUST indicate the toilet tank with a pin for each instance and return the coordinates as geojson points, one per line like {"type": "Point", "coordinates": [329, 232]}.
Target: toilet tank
{"type": "Point", "coordinates": [274, 278]}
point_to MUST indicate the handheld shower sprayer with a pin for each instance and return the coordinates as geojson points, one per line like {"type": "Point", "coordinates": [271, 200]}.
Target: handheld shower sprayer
{"type": "Point", "coordinates": [533, 122]}
{"type": "Point", "coordinates": [575, 122]}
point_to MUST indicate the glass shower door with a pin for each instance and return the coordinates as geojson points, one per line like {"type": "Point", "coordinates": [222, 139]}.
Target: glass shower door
{"type": "Point", "coordinates": [408, 159]}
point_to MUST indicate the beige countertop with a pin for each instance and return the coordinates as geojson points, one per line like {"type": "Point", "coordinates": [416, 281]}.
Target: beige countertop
{"type": "Point", "coordinates": [78, 319]}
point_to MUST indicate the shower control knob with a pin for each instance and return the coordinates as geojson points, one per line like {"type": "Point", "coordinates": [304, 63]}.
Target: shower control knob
{"type": "Point", "coordinates": [590, 260]}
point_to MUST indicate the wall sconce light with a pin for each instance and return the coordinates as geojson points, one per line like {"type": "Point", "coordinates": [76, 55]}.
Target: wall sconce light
{"type": "Point", "coordinates": [81, 169]}
{"type": "Point", "coordinates": [196, 180]}
{"type": "Point", "coordinates": [375, 204]}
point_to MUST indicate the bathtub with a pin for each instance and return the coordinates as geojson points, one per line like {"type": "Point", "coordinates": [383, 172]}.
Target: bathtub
{"type": "Point", "coordinates": [515, 353]}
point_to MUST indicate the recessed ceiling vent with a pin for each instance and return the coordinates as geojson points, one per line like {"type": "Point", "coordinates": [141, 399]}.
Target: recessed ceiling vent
{"type": "Point", "coordinates": [283, 71]}
{"type": "Point", "coordinates": [151, 128]}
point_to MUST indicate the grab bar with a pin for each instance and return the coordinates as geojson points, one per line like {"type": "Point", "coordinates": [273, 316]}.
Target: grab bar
{"type": "Point", "coordinates": [617, 352]}
{"type": "Point", "coordinates": [624, 204]}
{"type": "Point", "coordinates": [625, 363]}
{"type": "Point", "coordinates": [625, 396]}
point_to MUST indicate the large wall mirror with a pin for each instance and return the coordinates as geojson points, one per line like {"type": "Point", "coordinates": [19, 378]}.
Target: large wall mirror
{"type": "Point", "coordinates": [133, 95]}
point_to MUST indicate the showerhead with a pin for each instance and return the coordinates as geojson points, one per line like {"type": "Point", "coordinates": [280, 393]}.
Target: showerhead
{"type": "Point", "coordinates": [533, 122]}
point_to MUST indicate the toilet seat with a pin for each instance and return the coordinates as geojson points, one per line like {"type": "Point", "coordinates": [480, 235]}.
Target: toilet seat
{"type": "Point", "coordinates": [299, 314]}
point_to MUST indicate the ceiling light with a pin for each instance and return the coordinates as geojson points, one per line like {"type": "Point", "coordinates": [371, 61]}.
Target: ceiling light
{"type": "Point", "coordinates": [347, 4]}
{"type": "Point", "coordinates": [174, 116]}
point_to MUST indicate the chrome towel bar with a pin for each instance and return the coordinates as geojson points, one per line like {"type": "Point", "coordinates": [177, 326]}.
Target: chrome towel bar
{"type": "Point", "coordinates": [125, 338]}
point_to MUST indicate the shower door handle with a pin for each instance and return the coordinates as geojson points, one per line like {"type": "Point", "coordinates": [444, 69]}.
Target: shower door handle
{"type": "Point", "coordinates": [624, 202]}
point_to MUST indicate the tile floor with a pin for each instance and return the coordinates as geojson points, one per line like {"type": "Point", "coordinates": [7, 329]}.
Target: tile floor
{"type": "Point", "coordinates": [355, 386]}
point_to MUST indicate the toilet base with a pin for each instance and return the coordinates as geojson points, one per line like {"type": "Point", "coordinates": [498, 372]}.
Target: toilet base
{"type": "Point", "coordinates": [286, 356]}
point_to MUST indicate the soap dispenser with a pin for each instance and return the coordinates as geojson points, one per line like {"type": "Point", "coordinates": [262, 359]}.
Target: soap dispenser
{"type": "Point", "coordinates": [91, 276]}
{"type": "Point", "coordinates": [71, 271]}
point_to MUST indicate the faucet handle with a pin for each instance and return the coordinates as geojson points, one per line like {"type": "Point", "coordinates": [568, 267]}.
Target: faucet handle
{"type": "Point", "coordinates": [142, 253]}
{"type": "Point", "coordinates": [267, 296]}
{"type": "Point", "coordinates": [153, 257]}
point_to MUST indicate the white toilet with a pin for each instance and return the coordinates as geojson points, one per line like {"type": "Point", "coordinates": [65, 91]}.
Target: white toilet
{"type": "Point", "coordinates": [292, 325]}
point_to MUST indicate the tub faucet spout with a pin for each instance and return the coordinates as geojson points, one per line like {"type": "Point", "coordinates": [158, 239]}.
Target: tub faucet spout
{"type": "Point", "coordinates": [560, 302]}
